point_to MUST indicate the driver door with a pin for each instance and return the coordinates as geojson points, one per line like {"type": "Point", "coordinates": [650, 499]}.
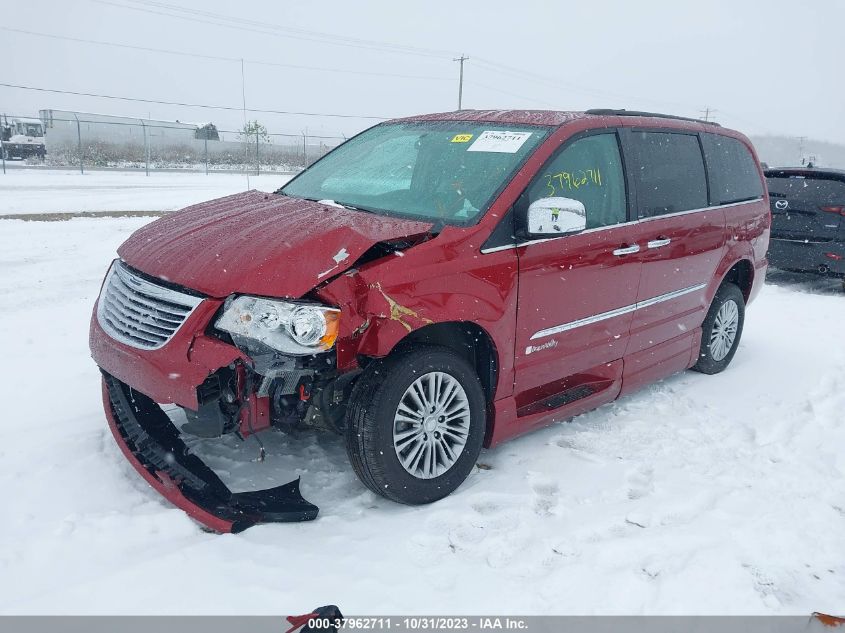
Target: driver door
{"type": "Point", "coordinates": [576, 292]}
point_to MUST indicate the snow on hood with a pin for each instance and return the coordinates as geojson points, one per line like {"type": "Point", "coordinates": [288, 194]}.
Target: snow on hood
{"type": "Point", "coordinates": [258, 243]}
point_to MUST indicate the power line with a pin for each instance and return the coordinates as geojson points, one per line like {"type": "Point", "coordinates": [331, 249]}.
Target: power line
{"type": "Point", "coordinates": [197, 15]}
{"type": "Point", "coordinates": [547, 104]}
{"type": "Point", "coordinates": [257, 62]}
{"type": "Point", "coordinates": [319, 35]}
{"type": "Point", "coordinates": [233, 22]}
{"type": "Point", "coordinates": [190, 105]}
{"type": "Point", "coordinates": [146, 49]}
{"type": "Point", "coordinates": [491, 66]}
{"type": "Point", "coordinates": [485, 64]}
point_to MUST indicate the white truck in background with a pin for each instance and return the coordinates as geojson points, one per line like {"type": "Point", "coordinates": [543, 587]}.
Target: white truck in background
{"type": "Point", "coordinates": [22, 138]}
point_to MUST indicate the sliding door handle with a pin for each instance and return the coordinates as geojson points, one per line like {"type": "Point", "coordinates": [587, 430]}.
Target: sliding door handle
{"type": "Point", "coordinates": [627, 250]}
{"type": "Point", "coordinates": [660, 241]}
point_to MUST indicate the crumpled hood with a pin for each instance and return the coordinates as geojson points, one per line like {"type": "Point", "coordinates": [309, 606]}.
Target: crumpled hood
{"type": "Point", "coordinates": [258, 243]}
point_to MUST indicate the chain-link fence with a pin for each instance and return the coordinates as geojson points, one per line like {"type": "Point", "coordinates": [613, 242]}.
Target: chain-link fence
{"type": "Point", "coordinates": [66, 139]}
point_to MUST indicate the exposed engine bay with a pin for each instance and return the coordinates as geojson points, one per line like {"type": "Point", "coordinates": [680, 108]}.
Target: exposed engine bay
{"type": "Point", "coordinates": [286, 392]}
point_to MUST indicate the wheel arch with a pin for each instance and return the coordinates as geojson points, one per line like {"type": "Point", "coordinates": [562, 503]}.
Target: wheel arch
{"type": "Point", "coordinates": [741, 274]}
{"type": "Point", "coordinates": [467, 339]}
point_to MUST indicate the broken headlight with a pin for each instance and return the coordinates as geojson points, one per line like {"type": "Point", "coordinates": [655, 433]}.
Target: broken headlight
{"type": "Point", "coordinates": [292, 328]}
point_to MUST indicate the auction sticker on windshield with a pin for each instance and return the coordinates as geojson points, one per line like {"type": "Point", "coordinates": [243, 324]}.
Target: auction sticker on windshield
{"type": "Point", "coordinates": [499, 141]}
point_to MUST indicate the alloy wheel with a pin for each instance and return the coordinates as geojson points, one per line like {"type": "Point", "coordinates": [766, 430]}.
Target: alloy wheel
{"type": "Point", "coordinates": [723, 332]}
{"type": "Point", "coordinates": [431, 425]}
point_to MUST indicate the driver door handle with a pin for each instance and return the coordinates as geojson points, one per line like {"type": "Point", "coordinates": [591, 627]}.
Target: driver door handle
{"type": "Point", "coordinates": [627, 250]}
{"type": "Point", "coordinates": [660, 241]}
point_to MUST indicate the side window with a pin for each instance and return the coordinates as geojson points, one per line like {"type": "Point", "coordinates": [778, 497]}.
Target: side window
{"type": "Point", "coordinates": [588, 170]}
{"type": "Point", "coordinates": [669, 173]}
{"type": "Point", "coordinates": [733, 171]}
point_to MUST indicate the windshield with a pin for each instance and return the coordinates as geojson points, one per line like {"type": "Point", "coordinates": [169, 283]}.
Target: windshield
{"type": "Point", "coordinates": [445, 171]}
{"type": "Point", "coordinates": [29, 129]}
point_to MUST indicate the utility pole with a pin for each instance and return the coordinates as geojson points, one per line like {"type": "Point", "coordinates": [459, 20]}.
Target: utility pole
{"type": "Point", "coordinates": [246, 130]}
{"type": "Point", "coordinates": [801, 140]}
{"type": "Point", "coordinates": [707, 112]}
{"type": "Point", "coordinates": [3, 122]}
{"type": "Point", "coordinates": [460, 59]}
{"type": "Point", "coordinates": [79, 143]}
{"type": "Point", "coordinates": [146, 148]}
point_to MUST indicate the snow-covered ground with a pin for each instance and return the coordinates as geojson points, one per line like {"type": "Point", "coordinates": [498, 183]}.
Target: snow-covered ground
{"type": "Point", "coordinates": [701, 494]}
{"type": "Point", "coordinates": [720, 494]}
{"type": "Point", "coordinates": [33, 191]}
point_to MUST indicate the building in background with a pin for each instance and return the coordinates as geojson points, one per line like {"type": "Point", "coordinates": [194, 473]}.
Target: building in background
{"type": "Point", "coordinates": [65, 126]}
{"type": "Point", "coordinates": [115, 141]}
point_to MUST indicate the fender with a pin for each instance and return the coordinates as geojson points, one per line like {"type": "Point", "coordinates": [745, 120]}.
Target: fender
{"type": "Point", "coordinates": [438, 281]}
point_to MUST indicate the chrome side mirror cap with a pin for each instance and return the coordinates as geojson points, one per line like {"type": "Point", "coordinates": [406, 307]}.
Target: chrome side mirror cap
{"type": "Point", "coordinates": [548, 217]}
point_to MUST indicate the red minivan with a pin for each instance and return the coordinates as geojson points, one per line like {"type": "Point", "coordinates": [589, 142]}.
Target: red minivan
{"type": "Point", "coordinates": [434, 285]}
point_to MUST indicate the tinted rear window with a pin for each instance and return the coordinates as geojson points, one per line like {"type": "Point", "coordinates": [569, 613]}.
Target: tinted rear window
{"type": "Point", "coordinates": [819, 191]}
{"type": "Point", "coordinates": [669, 174]}
{"type": "Point", "coordinates": [733, 171]}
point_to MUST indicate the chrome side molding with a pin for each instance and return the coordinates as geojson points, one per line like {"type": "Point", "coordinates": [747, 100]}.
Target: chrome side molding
{"type": "Point", "coordinates": [565, 327]}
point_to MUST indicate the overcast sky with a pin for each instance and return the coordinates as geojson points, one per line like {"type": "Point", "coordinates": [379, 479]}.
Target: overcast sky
{"type": "Point", "coordinates": [771, 66]}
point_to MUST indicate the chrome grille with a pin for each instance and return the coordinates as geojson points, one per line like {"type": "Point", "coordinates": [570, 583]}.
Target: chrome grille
{"type": "Point", "coordinates": [141, 313]}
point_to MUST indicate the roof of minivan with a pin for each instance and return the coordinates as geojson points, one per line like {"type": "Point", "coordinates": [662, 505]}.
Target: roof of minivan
{"type": "Point", "coordinates": [545, 117]}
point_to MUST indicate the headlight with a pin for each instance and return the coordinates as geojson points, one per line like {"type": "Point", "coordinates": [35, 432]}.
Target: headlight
{"type": "Point", "coordinates": [293, 328]}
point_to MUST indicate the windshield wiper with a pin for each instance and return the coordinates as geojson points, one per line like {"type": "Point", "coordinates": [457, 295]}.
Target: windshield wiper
{"type": "Point", "coordinates": [331, 203]}
{"type": "Point", "coordinates": [342, 205]}
{"type": "Point", "coordinates": [437, 225]}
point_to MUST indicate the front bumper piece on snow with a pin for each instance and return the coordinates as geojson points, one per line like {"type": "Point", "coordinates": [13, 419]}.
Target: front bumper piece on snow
{"type": "Point", "coordinates": [152, 444]}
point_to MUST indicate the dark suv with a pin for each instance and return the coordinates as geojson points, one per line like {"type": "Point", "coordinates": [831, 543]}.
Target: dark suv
{"type": "Point", "coordinates": [808, 232]}
{"type": "Point", "coordinates": [435, 284]}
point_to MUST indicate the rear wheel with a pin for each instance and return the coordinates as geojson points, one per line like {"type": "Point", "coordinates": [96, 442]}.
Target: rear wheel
{"type": "Point", "coordinates": [721, 330]}
{"type": "Point", "coordinates": [415, 424]}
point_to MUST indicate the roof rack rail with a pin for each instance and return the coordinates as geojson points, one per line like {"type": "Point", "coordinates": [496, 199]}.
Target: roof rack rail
{"type": "Point", "coordinates": [623, 112]}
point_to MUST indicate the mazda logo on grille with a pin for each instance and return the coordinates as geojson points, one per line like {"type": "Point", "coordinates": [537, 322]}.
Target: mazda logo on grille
{"type": "Point", "coordinates": [781, 204]}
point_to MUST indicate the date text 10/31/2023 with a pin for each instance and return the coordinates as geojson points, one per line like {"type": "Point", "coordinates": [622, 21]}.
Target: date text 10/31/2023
{"type": "Point", "coordinates": [415, 623]}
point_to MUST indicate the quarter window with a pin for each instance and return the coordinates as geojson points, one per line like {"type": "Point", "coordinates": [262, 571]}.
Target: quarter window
{"type": "Point", "coordinates": [670, 173]}
{"type": "Point", "coordinates": [588, 170]}
{"type": "Point", "coordinates": [734, 176]}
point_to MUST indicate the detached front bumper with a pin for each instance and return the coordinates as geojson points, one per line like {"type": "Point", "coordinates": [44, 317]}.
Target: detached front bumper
{"type": "Point", "coordinates": [159, 351]}
{"type": "Point", "coordinates": [152, 445]}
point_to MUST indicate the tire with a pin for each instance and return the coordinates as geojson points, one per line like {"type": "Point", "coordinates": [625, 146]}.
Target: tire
{"type": "Point", "coordinates": [726, 314]}
{"type": "Point", "coordinates": [373, 420]}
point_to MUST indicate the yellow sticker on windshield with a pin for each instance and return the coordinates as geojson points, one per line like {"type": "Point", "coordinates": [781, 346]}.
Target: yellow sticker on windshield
{"type": "Point", "coordinates": [462, 138]}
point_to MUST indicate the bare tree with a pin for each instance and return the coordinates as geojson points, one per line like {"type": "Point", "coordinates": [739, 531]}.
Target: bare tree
{"type": "Point", "coordinates": [252, 130]}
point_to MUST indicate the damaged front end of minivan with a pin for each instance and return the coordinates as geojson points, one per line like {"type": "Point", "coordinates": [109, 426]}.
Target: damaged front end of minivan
{"type": "Point", "coordinates": [235, 363]}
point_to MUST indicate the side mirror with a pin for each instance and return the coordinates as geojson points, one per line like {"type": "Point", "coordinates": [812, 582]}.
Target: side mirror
{"type": "Point", "coordinates": [556, 216]}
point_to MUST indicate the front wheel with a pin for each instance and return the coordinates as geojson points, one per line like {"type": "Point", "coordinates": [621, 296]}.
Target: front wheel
{"type": "Point", "coordinates": [415, 424]}
{"type": "Point", "coordinates": [721, 330]}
